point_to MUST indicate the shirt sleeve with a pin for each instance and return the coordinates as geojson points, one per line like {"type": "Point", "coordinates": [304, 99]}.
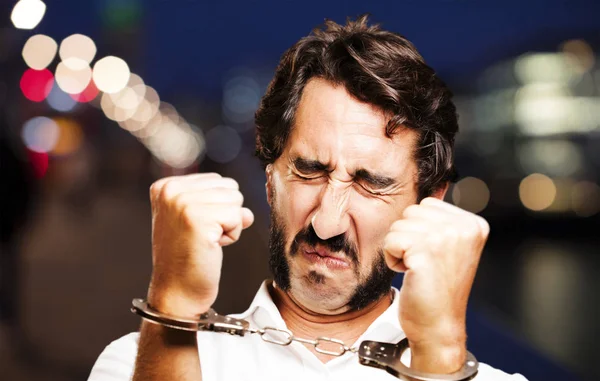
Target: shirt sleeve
{"type": "Point", "coordinates": [117, 361]}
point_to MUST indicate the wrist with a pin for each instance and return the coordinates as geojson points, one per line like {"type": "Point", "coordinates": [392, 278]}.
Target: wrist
{"type": "Point", "coordinates": [438, 358]}
{"type": "Point", "coordinates": [176, 304]}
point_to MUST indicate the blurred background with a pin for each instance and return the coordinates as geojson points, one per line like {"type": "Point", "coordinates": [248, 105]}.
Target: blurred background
{"type": "Point", "coordinates": [99, 98]}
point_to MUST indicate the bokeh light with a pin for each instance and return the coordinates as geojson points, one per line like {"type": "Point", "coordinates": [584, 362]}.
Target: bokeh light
{"type": "Point", "coordinates": [88, 94]}
{"type": "Point", "coordinates": [241, 96]}
{"type": "Point", "coordinates": [27, 14]}
{"type": "Point", "coordinates": [223, 144]}
{"type": "Point", "coordinates": [77, 46]}
{"type": "Point", "coordinates": [562, 199]}
{"type": "Point", "coordinates": [585, 198]}
{"type": "Point", "coordinates": [40, 134]}
{"type": "Point", "coordinates": [39, 51]}
{"type": "Point", "coordinates": [113, 111]}
{"type": "Point", "coordinates": [176, 145]}
{"type": "Point", "coordinates": [36, 84]}
{"type": "Point", "coordinates": [471, 194]}
{"type": "Point", "coordinates": [131, 96]}
{"type": "Point", "coordinates": [148, 107]}
{"type": "Point", "coordinates": [543, 109]}
{"type": "Point", "coordinates": [556, 157]}
{"type": "Point", "coordinates": [581, 52]}
{"type": "Point", "coordinates": [537, 192]}
{"type": "Point", "coordinates": [545, 68]}
{"type": "Point", "coordinates": [168, 111]}
{"type": "Point", "coordinates": [144, 130]}
{"type": "Point", "coordinates": [70, 136]}
{"type": "Point", "coordinates": [39, 163]}
{"type": "Point", "coordinates": [60, 101]}
{"type": "Point", "coordinates": [111, 74]}
{"type": "Point", "coordinates": [73, 75]}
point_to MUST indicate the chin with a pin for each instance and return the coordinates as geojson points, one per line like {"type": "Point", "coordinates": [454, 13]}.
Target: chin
{"type": "Point", "coordinates": [319, 293]}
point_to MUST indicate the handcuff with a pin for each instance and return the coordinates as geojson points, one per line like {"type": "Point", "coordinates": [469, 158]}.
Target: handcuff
{"type": "Point", "coordinates": [375, 354]}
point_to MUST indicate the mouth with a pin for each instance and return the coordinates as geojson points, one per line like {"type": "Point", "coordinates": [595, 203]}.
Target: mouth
{"type": "Point", "coordinates": [324, 257]}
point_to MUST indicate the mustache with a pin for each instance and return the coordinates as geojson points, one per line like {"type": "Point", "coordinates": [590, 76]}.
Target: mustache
{"type": "Point", "coordinates": [339, 243]}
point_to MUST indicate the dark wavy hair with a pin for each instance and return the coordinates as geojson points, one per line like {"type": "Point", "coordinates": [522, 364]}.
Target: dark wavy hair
{"type": "Point", "coordinates": [377, 67]}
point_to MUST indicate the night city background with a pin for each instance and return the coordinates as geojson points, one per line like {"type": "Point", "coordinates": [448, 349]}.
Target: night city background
{"type": "Point", "coordinates": [100, 98]}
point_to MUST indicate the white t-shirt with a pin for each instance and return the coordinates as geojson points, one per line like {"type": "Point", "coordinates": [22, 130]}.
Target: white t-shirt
{"type": "Point", "coordinates": [227, 357]}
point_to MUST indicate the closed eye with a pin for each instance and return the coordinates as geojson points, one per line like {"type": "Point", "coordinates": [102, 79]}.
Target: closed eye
{"type": "Point", "coordinates": [371, 191]}
{"type": "Point", "coordinates": [308, 178]}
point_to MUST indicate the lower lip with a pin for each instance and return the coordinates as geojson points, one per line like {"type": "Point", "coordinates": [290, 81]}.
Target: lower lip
{"type": "Point", "coordinates": [331, 263]}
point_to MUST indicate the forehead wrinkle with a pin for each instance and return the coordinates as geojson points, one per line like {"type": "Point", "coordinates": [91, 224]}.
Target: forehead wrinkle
{"type": "Point", "coordinates": [340, 131]}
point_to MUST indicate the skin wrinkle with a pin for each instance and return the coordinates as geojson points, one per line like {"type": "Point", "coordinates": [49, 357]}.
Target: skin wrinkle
{"type": "Point", "coordinates": [332, 205]}
{"type": "Point", "coordinates": [334, 199]}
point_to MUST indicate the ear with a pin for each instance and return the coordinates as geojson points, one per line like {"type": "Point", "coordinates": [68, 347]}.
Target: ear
{"type": "Point", "coordinates": [269, 183]}
{"type": "Point", "coordinates": [441, 192]}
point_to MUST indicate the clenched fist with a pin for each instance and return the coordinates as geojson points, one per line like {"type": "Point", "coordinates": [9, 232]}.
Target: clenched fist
{"type": "Point", "coordinates": [193, 216]}
{"type": "Point", "coordinates": [438, 246]}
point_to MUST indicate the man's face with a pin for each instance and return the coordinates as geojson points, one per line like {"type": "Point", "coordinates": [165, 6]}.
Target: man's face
{"type": "Point", "coordinates": [334, 192]}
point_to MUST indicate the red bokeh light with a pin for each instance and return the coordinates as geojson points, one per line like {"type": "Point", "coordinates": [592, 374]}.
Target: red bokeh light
{"type": "Point", "coordinates": [39, 163]}
{"type": "Point", "coordinates": [87, 95]}
{"type": "Point", "coordinates": [36, 84]}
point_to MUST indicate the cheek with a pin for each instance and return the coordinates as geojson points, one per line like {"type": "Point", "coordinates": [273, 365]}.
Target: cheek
{"type": "Point", "coordinates": [372, 220]}
{"type": "Point", "coordinates": [296, 201]}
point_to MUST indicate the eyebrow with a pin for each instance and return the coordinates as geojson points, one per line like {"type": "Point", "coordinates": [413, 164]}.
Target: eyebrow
{"type": "Point", "coordinates": [377, 181]}
{"type": "Point", "coordinates": [308, 166]}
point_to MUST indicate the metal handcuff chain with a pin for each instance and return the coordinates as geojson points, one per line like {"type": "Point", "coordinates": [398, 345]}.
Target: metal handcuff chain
{"type": "Point", "coordinates": [376, 354]}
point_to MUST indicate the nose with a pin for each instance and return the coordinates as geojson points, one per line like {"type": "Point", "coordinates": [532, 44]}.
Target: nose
{"type": "Point", "coordinates": [331, 218]}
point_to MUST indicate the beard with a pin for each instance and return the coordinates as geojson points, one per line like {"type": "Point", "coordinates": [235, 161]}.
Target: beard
{"type": "Point", "coordinates": [377, 283]}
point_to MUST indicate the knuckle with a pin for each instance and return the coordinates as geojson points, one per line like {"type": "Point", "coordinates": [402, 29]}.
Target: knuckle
{"type": "Point", "coordinates": [430, 201]}
{"type": "Point", "coordinates": [439, 240]}
{"type": "Point", "coordinates": [394, 243]}
{"type": "Point", "coordinates": [168, 190]}
{"type": "Point", "coordinates": [237, 197]}
{"type": "Point", "coordinates": [449, 232]}
{"type": "Point", "coordinates": [187, 216]}
{"type": "Point", "coordinates": [388, 241]}
{"type": "Point", "coordinates": [410, 209]}
{"type": "Point", "coordinates": [471, 229]}
{"type": "Point", "coordinates": [179, 201]}
{"type": "Point", "coordinates": [231, 182]}
{"type": "Point", "coordinates": [156, 187]}
{"type": "Point", "coordinates": [396, 225]}
{"type": "Point", "coordinates": [483, 226]}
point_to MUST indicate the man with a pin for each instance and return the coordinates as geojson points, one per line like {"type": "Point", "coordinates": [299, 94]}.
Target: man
{"type": "Point", "coordinates": [356, 135]}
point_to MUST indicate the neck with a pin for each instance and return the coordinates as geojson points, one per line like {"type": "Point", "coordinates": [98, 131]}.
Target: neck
{"type": "Point", "coordinates": [346, 326]}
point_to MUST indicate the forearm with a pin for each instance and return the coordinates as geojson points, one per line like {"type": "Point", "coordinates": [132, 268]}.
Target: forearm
{"type": "Point", "coordinates": [166, 354]}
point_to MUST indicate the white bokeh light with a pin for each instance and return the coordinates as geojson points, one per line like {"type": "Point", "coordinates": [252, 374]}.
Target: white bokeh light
{"type": "Point", "coordinates": [39, 51]}
{"type": "Point", "coordinates": [132, 95]}
{"type": "Point", "coordinates": [113, 111]}
{"type": "Point", "coordinates": [111, 74]}
{"type": "Point", "coordinates": [27, 14]}
{"type": "Point", "coordinates": [73, 75]}
{"type": "Point", "coordinates": [78, 46]}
